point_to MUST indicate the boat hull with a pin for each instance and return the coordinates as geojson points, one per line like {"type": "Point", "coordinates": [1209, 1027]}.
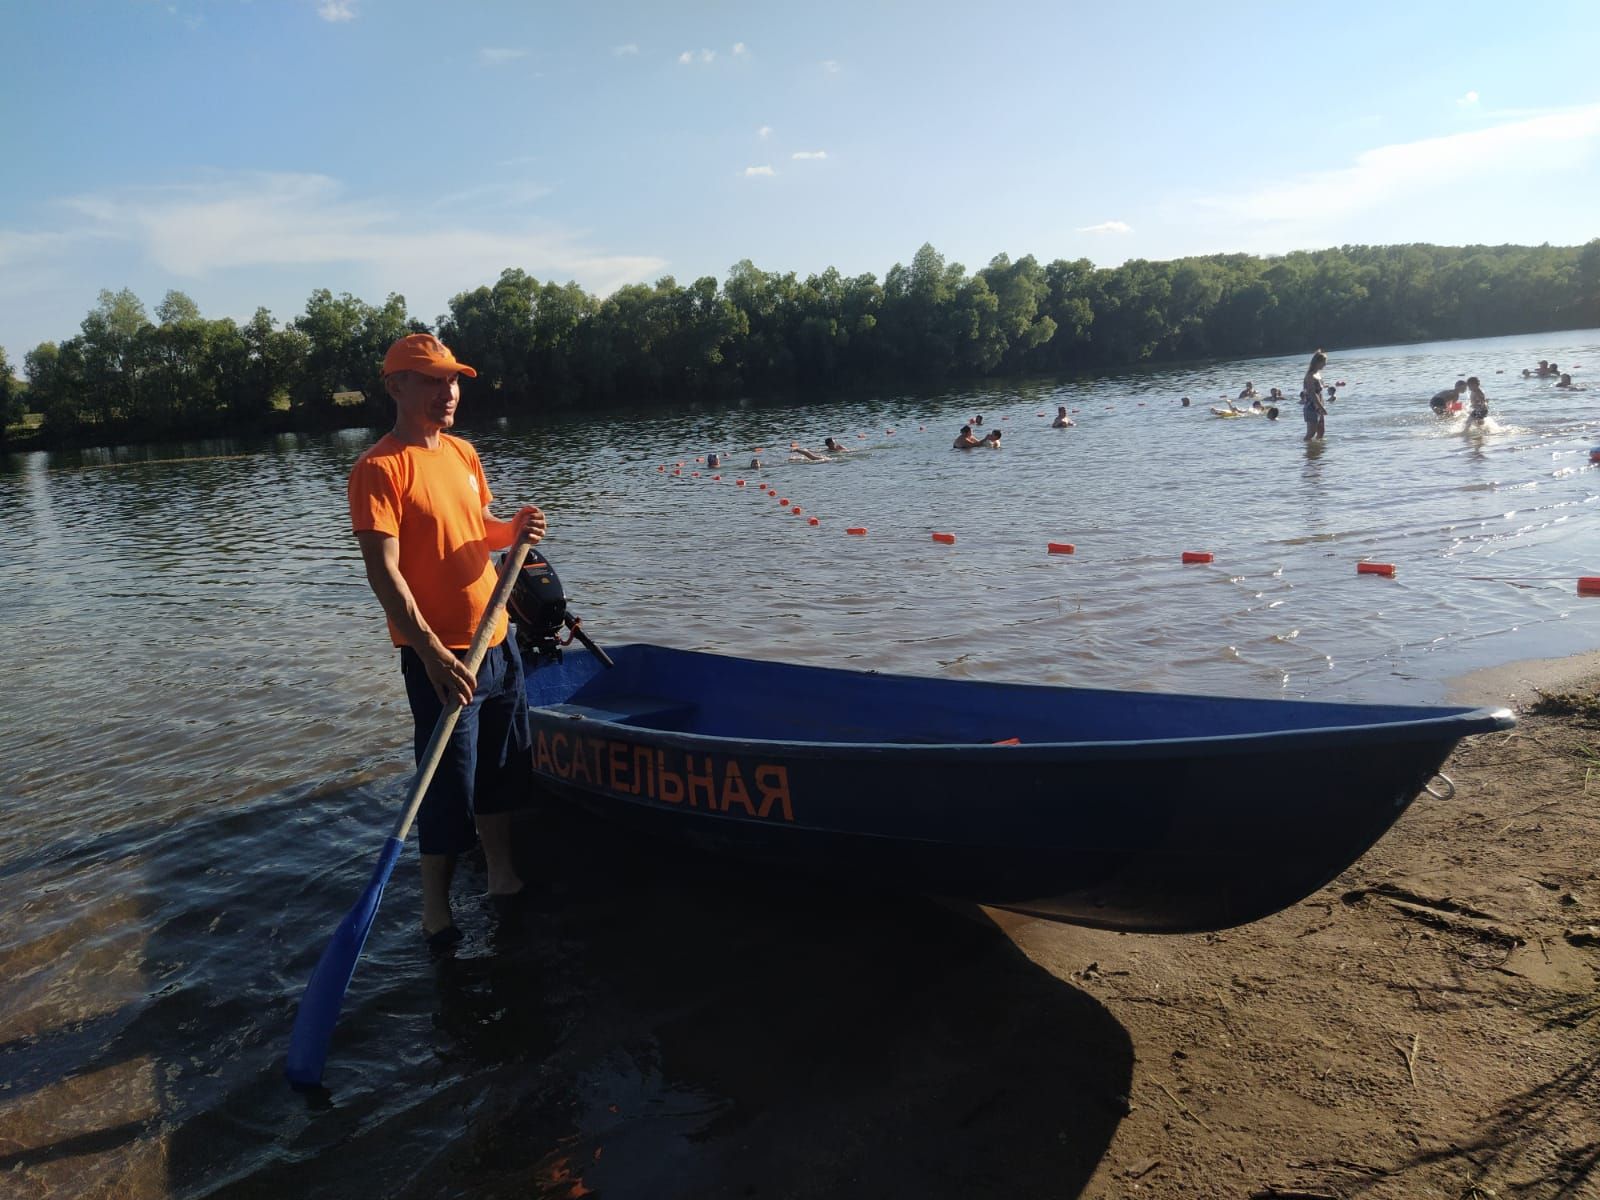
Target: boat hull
{"type": "Point", "coordinates": [1154, 834]}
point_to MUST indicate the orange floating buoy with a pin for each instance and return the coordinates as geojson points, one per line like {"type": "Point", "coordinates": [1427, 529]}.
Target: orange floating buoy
{"type": "Point", "coordinates": [675, 471]}
{"type": "Point", "coordinates": [716, 477]}
{"type": "Point", "coordinates": [1061, 548]}
{"type": "Point", "coordinates": [796, 510]}
{"type": "Point", "coordinates": [1589, 585]}
{"type": "Point", "coordinates": [740, 482]}
{"type": "Point", "coordinates": [695, 474]}
{"type": "Point", "coordinates": [773, 492]}
{"type": "Point", "coordinates": [949, 539]}
{"type": "Point", "coordinates": [812, 521]}
{"type": "Point", "coordinates": [857, 531]}
{"type": "Point", "coordinates": [1372, 568]}
{"type": "Point", "coordinates": [784, 501]}
{"type": "Point", "coordinates": [661, 468]}
{"type": "Point", "coordinates": [1197, 556]}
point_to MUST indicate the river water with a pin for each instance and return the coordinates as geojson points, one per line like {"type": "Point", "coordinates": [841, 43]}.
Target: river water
{"type": "Point", "coordinates": [205, 740]}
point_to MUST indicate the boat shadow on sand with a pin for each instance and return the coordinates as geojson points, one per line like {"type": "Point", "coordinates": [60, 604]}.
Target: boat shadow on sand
{"type": "Point", "coordinates": [670, 1026]}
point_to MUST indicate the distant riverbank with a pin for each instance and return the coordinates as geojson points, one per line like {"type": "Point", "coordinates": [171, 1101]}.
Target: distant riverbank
{"type": "Point", "coordinates": [544, 347]}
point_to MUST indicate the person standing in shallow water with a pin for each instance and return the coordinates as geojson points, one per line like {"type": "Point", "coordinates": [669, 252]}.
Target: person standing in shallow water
{"type": "Point", "coordinates": [419, 507]}
{"type": "Point", "coordinates": [1311, 405]}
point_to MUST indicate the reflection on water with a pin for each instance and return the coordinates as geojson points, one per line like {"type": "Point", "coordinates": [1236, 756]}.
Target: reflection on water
{"type": "Point", "coordinates": [204, 741]}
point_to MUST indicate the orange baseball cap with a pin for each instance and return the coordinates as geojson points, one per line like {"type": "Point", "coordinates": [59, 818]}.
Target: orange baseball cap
{"type": "Point", "coordinates": [425, 353]}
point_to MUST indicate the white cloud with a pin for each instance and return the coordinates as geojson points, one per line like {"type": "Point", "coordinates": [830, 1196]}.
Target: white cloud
{"type": "Point", "coordinates": [1382, 175]}
{"type": "Point", "coordinates": [495, 56]}
{"type": "Point", "coordinates": [759, 171]}
{"type": "Point", "coordinates": [337, 10]}
{"type": "Point", "coordinates": [689, 56]}
{"type": "Point", "coordinates": [831, 66]}
{"type": "Point", "coordinates": [686, 57]}
{"type": "Point", "coordinates": [1468, 100]}
{"type": "Point", "coordinates": [707, 55]}
{"type": "Point", "coordinates": [492, 196]}
{"type": "Point", "coordinates": [764, 132]}
{"type": "Point", "coordinates": [625, 48]}
{"type": "Point", "coordinates": [17, 248]}
{"type": "Point", "coordinates": [739, 48]}
{"type": "Point", "coordinates": [801, 154]}
{"type": "Point", "coordinates": [1107, 227]}
{"type": "Point", "coordinates": [240, 220]}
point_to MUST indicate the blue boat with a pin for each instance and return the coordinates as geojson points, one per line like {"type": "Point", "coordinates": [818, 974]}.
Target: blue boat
{"type": "Point", "coordinates": [1135, 811]}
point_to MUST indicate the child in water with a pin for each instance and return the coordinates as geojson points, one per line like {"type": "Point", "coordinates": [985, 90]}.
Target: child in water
{"type": "Point", "coordinates": [1480, 403]}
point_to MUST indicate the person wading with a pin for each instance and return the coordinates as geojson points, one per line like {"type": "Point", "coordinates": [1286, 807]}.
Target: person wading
{"type": "Point", "coordinates": [419, 507]}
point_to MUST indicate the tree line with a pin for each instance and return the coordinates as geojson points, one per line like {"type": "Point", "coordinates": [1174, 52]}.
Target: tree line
{"type": "Point", "coordinates": [126, 376]}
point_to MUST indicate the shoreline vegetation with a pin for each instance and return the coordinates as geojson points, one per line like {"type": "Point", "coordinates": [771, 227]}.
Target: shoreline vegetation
{"type": "Point", "coordinates": [126, 377]}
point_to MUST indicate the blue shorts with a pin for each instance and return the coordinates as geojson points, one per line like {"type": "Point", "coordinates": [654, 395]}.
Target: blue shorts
{"type": "Point", "coordinates": [488, 762]}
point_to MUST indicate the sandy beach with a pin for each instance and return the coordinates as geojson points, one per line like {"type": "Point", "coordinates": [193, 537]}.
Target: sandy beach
{"type": "Point", "coordinates": [1427, 1026]}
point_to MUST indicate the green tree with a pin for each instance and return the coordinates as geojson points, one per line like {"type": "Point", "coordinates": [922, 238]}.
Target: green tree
{"type": "Point", "coordinates": [10, 397]}
{"type": "Point", "coordinates": [56, 384]}
{"type": "Point", "coordinates": [345, 341]}
{"type": "Point", "coordinates": [176, 308]}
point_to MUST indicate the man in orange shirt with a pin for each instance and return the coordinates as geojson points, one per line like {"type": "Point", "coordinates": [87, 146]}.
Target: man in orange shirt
{"type": "Point", "coordinates": [419, 505]}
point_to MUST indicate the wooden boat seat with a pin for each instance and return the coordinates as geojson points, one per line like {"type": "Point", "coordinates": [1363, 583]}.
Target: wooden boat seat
{"type": "Point", "coordinates": [653, 712]}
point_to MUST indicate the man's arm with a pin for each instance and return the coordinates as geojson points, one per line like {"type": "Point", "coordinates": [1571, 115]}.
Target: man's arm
{"type": "Point", "coordinates": [527, 526]}
{"type": "Point", "coordinates": [448, 674]}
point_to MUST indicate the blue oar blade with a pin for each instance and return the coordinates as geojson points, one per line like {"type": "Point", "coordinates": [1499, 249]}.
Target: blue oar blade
{"type": "Point", "coordinates": [324, 995]}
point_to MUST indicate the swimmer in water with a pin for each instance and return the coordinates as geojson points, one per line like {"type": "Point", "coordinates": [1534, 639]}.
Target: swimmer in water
{"type": "Point", "coordinates": [798, 451]}
{"type": "Point", "coordinates": [1249, 392]}
{"type": "Point", "coordinates": [1062, 420]}
{"type": "Point", "coordinates": [992, 439]}
{"type": "Point", "coordinates": [829, 444]}
{"type": "Point", "coordinates": [965, 440]}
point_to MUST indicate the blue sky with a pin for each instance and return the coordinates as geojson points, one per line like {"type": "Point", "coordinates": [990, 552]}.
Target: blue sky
{"type": "Point", "coordinates": [247, 153]}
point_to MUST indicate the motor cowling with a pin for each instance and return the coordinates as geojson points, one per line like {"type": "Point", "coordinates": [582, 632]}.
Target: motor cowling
{"type": "Point", "coordinates": [538, 603]}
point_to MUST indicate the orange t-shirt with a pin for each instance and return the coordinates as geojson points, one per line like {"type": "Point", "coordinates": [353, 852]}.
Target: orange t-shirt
{"type": "Point", "coordinates": [432, 502]}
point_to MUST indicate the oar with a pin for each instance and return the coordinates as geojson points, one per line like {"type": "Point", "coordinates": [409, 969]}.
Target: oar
{"type": "Point", "coordinates": [324, 995]}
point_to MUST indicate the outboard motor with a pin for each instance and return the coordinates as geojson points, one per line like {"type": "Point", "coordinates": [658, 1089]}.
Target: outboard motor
{"type": "Point", "coordinates": [538, 607]}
